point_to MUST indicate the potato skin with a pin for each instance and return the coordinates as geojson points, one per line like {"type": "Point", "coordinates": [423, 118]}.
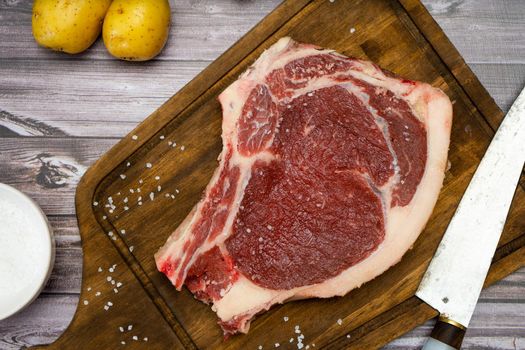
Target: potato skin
{"type": "Point", "coordinates": [136, 30]}
{"type": "Point", "coordinates": [68, 25]}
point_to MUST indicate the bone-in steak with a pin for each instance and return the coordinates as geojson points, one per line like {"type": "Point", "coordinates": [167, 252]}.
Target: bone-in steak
{"type": "Point", "coordinates": [330, 169]}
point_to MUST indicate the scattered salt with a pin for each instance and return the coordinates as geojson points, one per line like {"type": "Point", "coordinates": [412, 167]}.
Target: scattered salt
{"type": "Point", "coordinates": [277, 345]}
{"type": "Point", "coordinates": [182, 148]}
{"type": "Point", "coordinates": [152, 196]}
{"type": "Point", "coordinates": [130, 327]}
{"type": "Point", "coordinates": [119, 284]}
{"type": "Point", "coordinates": [157, 178]}
{"type": "Point", "coordinates": [161, 137]}
{"type": "Point", "coordinates": [352, 30]}
{"type": "Point", "coordinates": [128, 164]}
{"type": "Point", "coordinates": [126, 208]}
{"type": "Point", "coordinates": [135, 337]}
{"type": "Point", "coordinates": [159, 188]}
{"type": "Point", "coordinates": [88, 289]}
{"type": "Point", "coordinates": [339, 321]}
{"type": "Point", "coordinates": [131, 249]}
{"type": "Point", "coordinates": [145, 338]}
{"type": "Point", "coordinates": [121, 329]}
{"type": "Point", "coordinates": [104, 217]}
{"type": "Point", "coordinates": [141, 181]}
{"type": "Point", "coordinates": [115, 290]}
{"type": "Point", "coordinates": [106, 307]}
{"type": "Point", "coordinates": [95, 204]}
{"type": "Point", "coordinates": [99, 269]}
{"type": "Point", "coordinates": [113, 282]}
{"type": "Point", "coordinates": [291, 340]}
{"type": "Point", "coordinates": [134, 137]}
{"type": "Point", "coordinates": [122, 176]}
{"type": "Point", "coordinates": [285, 318]}
{"type": "Point", "coordinates": [86, 302]}
{"type": "Point", "coordinates": [123, 342]}
{"type": "Point", "coordinates": [348, 336]}
{"type": "Point", "coordinates": [123, 232]}
{"type": "Point", "coordinates": [97, 294]}
{"type": "Point", "coordinates": [108, 278]}
{"type": "Point", "coordinates": [140, 203]}
{"type": "Point", "coordinates": [110, 303]}
{"type": "Point", "coordinates": [148, 165]}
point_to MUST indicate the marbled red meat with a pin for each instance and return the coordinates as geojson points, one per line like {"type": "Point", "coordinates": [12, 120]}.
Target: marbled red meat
{"type": "Point", "coordinates": [330, 169]}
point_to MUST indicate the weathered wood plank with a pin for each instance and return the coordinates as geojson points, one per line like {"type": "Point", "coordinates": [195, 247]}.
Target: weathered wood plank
{"type": "Point", "coordinates": [40, 323]}
{"type": "Point", "coordinates": [86, 98]}
{"type": "Point", "coordinates": [503, 81]}
{"type": "Point", "coordinates": [48, 169]}
{"type": "Point", "coordinates": [484, 31]}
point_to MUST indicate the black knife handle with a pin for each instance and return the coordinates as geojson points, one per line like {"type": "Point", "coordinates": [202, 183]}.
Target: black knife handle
{"type": "Point", "coordinates": [447, 332]}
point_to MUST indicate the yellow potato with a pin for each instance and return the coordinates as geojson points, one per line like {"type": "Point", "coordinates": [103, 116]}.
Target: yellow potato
{"type": "Point", "coordinates": [68, 25]}
{"type": "Point", "coordinates": [136, 30]}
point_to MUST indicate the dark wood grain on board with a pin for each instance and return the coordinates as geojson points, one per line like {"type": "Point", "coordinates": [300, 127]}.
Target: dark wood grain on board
{"type": "Point", "coordinates": [374, 314]}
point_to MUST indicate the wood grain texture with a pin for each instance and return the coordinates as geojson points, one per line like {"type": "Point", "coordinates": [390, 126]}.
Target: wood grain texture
{"type": "Point", "coordinates": [203, 30]}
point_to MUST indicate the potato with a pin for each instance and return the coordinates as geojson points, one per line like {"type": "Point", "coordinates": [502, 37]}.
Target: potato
{"type": "Point", "coordinates": [68, 25]}
{"type": "Point", "coordinates": [136, 30]}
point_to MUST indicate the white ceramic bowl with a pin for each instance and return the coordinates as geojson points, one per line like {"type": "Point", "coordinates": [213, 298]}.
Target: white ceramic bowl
{"type": "Point", "coordinates": [27, 250]}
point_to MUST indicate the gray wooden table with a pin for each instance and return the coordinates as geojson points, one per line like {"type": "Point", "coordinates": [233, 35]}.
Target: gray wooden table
{"type": "Point", "coordinates": [59, 113]}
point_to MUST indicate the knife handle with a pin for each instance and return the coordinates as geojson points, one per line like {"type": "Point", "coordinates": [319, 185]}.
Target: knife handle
{"type": "Point", "coordinates": [446, 335]}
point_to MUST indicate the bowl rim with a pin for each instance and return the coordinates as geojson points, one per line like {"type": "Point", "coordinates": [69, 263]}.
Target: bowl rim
{"type": "Point", "coordinates": [42, 279]}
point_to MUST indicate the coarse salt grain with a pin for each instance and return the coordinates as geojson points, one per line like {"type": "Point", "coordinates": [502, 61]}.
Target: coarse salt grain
{"type": "Point", "coordinates": [159, 188]}
{"type": "Point", "coordinates": [113, 282]}
{"type": "Point", "coordinates": [119, 284]}
{"type": "Point", "coordinates": [108, 278]}
{"type": "Point", "coordinates": [291, 340]}
{"type": "Point", "coordinates": [285, 318]}
{"type": "Point", "coordinates": [145, 338]}
{"type": "Point", "coordinates": [86, 302]}
{"type": "Point", "coordinates": [157, 178]}
{"type": "Point", "coordinates": [352, 30]}
{"type": "Point", "coordinates": [97, 294]}
{"type": "Point", "coordinates": [161, 137]}
{"type": "Point", "coordinates": [110, 303]}
{"type": "Point", "coordinates": [122, 176]}
{"type": "Point", "coordinates": [152, 196]}
{"type": "Point", "coordinates": [348, 336]}
{"type": "Point", "coordinates": [182, 148]}
{"type": "Point", "coordinates": [123, 232]}
{"type": "Point", "coordinates": [128, 164]}
{"type": "Point", "coordinates": [115, 290]}
{"type": "Point", "coordinates": [123, 342]}
{"type": "Point", "coordinates": [131, 249]}
{"type": "Point", "coordinates": [148, 165]}
{"type": "Point", "coordinates": [99, 269]}
{"type": "Point", "coordinates": [88, 289]}
{"type": "Point", "coordinates": [121, 329]}
{"type": "Point", "coordinates": [130, 327]}
{"type": "Point", "coordinates": [135, 337]}
{"type": "Point", "coordinates": [95, 204]}
{"type": "Point", "coordinates": [277, 345]}
{"type": "Point", "coordinates": [134, 137]}
{"type": "Point", "coordinates": [339, 321]}
{"type": "Point", "coordinates": [106, 307]}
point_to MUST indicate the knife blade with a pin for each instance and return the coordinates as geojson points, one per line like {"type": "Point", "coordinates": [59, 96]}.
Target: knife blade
{"type": "Point", "coordinates": [455, 276]}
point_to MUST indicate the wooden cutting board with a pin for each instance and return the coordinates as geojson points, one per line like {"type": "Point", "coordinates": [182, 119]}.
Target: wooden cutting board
{"type": "Point", "coordinates": [119, 242]}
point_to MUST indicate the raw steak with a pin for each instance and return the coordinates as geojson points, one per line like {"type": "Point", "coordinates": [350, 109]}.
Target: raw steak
{"type": "Point", "coordinates": [330, 169]}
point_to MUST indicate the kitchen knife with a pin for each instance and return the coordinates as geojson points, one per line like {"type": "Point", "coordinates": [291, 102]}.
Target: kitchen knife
{"type": "Point", "coordinates": [455, 276]}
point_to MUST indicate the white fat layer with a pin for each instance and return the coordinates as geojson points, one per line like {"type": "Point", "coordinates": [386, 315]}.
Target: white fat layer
{"type": "Point", "coordinates": [403, 224]}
